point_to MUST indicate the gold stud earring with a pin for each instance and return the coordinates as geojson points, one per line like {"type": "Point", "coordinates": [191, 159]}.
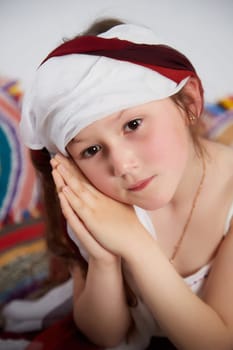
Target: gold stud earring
{"type": "Point", "coordinates": [192, 119]}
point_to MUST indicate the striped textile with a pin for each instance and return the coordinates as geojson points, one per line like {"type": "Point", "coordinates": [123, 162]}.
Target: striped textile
{"type": "Point", "coordinates": [24, 261]}
{"type": "Point", "coordinates": [18, 186]}
{"type": "Point", "coordinates": [23, 252]}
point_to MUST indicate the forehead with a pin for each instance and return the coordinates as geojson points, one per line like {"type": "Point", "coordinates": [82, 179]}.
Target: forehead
{"type": "Point", "coordinates": [116, 119]}
{"type": "Point", "coordinates": [103, 125]}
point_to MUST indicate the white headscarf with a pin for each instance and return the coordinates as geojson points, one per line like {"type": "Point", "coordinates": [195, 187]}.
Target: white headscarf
{"type": "Point", "coordinates": [70, 92]}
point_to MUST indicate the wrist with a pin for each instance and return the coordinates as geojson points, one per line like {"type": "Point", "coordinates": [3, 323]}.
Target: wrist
{"type": "Point", "coordinates": [107, 261]}
{"type": "Point", "coordinates": [142, 243]}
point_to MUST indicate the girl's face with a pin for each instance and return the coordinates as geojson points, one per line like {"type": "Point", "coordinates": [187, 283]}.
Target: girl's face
{"type": "Point", "coordinates": [137, 156]}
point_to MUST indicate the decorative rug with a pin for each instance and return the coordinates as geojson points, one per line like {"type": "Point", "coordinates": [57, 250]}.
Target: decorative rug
{"type": "Point", "coordinates": [23, 252]}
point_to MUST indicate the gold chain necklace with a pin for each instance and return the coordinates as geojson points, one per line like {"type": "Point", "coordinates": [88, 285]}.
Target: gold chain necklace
{"type": "Point", "coordinates": [178, 244]}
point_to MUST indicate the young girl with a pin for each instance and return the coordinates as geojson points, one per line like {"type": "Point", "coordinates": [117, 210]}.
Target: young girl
{"type": "Point", "coordinates": [141, 192]}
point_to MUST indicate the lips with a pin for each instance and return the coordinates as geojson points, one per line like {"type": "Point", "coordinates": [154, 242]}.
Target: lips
{"type": "Point", "coordinates": [140, 185]}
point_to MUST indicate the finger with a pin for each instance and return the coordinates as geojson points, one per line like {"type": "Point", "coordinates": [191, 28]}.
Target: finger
{"type": "Point", "coordinates": [74, 178]}
{"type": "Point", "coordinates": [77, 201]}
{"type": "Point", "coordinates": [54, 163]}
{"type": "Point", "coordinates": [69, 164]}
{"type": "Point", "coordinates": [78, 227]}
{"type": "Point", "coordinates": [70, 178]}
{"type": "Point", "coordinates": [73, 219]}
{"type": "Point", "coordinates": [60, 159]}
{"type": "Point", "coordinates": [58, 180]}
{"type": "Point", "coordinates": [82, 204]}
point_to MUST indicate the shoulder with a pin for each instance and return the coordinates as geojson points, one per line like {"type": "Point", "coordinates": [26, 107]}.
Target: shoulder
{"type": "Point", "coordinates": [218, 289]}
{"type": "Point", "coordinates": [219, 150]}
{"type": "Point", "coordinates": [219, 185]}
{"type": "Point", "coordinates": [225, 170]}
{"type": "Point", "coordinates": [222, 267]}
{"type": "Point", "coordinates": [221, 172]}
{"type": "Point", "coordinates": [220, 157]}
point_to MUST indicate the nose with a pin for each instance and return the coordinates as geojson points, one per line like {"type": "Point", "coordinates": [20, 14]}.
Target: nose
{"type": "Point", "coordinates": [123, 161]}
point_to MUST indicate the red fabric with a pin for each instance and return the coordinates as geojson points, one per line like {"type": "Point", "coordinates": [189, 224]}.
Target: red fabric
{"type": "Point", "coordinates": [62, 336]}
{"type": "Point", "coordinates": [65, 336]}
{"type": "Point", "coordinates": [22, 234]}
{"type": "Point", "coordinates": [160, 58]}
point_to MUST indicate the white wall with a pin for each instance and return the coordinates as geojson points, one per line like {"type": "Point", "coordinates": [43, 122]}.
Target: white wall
{"type": "Point", "coordinates": [202, 29]}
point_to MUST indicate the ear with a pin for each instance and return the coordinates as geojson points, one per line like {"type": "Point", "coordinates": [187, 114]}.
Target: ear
{"type": "Point", "coordinates": [193, 90]}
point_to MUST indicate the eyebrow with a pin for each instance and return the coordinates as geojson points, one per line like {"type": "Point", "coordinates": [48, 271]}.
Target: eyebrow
{"type": "Point", "coordinates": [76, 140]}
{"type": "Point", "coordinates": [117, 117]}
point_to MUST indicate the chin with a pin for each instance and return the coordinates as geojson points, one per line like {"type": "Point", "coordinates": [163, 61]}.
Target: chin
{"type": "Point", "coordinates": [149, 207]}
{"type": "Point", "coordinates": [153, 203]}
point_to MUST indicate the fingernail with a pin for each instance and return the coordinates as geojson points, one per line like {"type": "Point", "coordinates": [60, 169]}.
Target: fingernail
{"type": "Point", "coordinates": [59, 156]}
{"type": "Point", "coordinates": [53, 163]}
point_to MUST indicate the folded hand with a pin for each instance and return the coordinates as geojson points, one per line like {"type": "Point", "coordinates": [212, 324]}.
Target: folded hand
{"type": "Point", "coordinates": [112, 224]}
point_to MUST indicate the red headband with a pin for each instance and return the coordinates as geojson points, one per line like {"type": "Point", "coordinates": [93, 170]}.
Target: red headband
{"type": "Point", "coordinates": [160, 58]}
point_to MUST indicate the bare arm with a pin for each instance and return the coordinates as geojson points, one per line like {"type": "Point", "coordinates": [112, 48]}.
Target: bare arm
{"type": "Point", "coordinates": [100, 308]}
{"type": "Point", "coordinates": [189, 322]}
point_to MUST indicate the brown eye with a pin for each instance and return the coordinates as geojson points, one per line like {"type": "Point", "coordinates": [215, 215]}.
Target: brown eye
{"type": "Point", "coordinates": [133, 124]}
{"type": "Point", "coordinates": [91, 151]}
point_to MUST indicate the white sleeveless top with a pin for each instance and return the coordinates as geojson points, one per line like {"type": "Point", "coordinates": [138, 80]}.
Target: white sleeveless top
{"type": "Point", "coordinates": [145, 324]}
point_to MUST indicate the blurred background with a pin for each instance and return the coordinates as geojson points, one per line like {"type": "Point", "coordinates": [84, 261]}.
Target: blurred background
{"type": "Point", "coordinates": [202, 29]}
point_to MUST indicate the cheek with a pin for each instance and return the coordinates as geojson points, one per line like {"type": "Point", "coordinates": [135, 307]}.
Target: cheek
{"type": "Point", "coordinates": [166, 149]}
{"type": "Point", "coordinates": [98, 178]}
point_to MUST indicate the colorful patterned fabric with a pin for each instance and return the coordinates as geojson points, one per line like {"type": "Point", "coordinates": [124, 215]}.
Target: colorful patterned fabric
{"type": "Point", "coordinates": [23, 252]}
{"type": "Point", "coordinates": [217, 122]}
{"type": "Point", "coordinates": [18, 185]}
{"type": "Point", "coordinates": [23, 260]}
